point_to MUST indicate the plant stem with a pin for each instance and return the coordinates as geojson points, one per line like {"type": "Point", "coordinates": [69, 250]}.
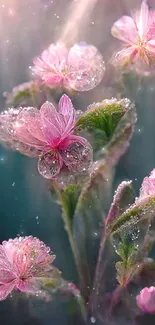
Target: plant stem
{"type": "Point", "coordinates": [70, 288]}
{"type": "Point", "coordinates": [96, 283]}
{"type": "Point", "coordinates": [81, 268]}
{"type": "Point", "coordinates": [68, 228]}
{"type": "Point", "coordinates": [66, 288]}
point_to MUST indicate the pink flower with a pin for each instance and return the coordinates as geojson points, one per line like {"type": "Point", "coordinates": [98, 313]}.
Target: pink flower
{"type": "Point", "coordinates": [146, 300]}
{"type": "Point", "coordinates": [81, 67]}
{"type": "Point", "coordinates": [24, 263]}
{"type": "Point", "coordinates": [47, 134]}
{"type": "Point", "coordinates": [147, 189]}
{"type": "Point", "coordinates": [138, 34]}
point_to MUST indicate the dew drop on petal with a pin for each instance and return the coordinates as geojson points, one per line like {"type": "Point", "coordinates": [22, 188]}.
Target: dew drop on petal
{"type": "Point", "coordinates": [88, 67]}
{"type": "Point", "coordinates": [77, 157]}
{"type": "Point", "coordinates": [49, 165]}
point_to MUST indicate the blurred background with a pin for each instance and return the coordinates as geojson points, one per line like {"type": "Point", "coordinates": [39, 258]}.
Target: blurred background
{"type": "Point", "coordinates": [26, 207]}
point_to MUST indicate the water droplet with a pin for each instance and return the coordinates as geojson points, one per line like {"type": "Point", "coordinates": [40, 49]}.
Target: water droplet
{"type": "Point", "coordinates": [93, 320]}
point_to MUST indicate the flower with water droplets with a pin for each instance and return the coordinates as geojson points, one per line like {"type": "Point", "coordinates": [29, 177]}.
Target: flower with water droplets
{"type": "Point", "coordinates": [146, 300]}
{"type": "Point", "coordinates": [147, 189]}
{"type": "Point", "coordinates": [48, 134]}
{"type": "Point", "coordinates": [24, 264]}
{"type": "Point", "coordinates": [138, 34]}
{"type": "Point", "coordinates": [80, 68]}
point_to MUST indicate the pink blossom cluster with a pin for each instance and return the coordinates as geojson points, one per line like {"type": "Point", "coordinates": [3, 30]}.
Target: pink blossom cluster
{"type": "Point", "coordinates": [24, 263]}
{"type": "Point", "coordinates": [80, 68]}
{"type": "Point", "coordinates": [138, 35]}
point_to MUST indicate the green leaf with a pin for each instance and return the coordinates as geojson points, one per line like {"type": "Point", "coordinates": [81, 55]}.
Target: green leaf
{"type": "Point", "coordinates": [125, 273]}
{"type": "Point", "coordinates": [132, 239]}
{"type": "Point", "coordinates": [134, 214]}
{"type": "Point", "coordinates": [122, 199]}
{"type": "Point", "coordinates": [67, 198]}
{"type": "Point", "coordinates": [70, 197]}
{"type": "Point", "coordinates": [126, 248]}
{"type": "Point", "coordinates": [101, 120]}
{"type": "Point", "coordinates": [127, 268]}
{"type": "Point", "coordinates": [103, 116]}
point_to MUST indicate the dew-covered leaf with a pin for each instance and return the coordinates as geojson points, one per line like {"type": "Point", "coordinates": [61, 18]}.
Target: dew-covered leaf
{"type": "Point", "coordinates": [101, 120]}
{"type": "Point", "coordinates": [125, 273]}
{"type": "Point", "coordinates": [67, 197]}
{"type": "Point", "coordinates": [122, 199]}
{"type": "Point", "coordinates": [132, 239]}
{"type": "Point", "coordinates": [131, 259]}
{"type": "Point", "coordinates": [70, 197]}
{"type": "Point", "coordinates": [27, 94]}
{"type": "Point", "coordinates": [135, 212]}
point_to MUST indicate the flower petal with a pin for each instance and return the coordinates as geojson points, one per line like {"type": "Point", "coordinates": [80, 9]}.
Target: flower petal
{"type": "Point", "coordinates": [76, 153]}
{"type": "Point", "coordinates": [53, 124]}
{"type": "Point", "coordinates": [151, 47]}
{"type": "Point", "coordinates": [6, 275]}
{"type": "Point", "coordinates": [125, 30]}
{"type": "Point", "coordinates": [67, 110]}
{"type": "Point", "coordinates": [28, 286]}
{"type": "Point", "coordinates": [146, 300]}
{"type": "Point", "coordinates": [49, 165]}
{"type": "Point", "coordinates": [6, 289]}
{"type": "Point", "coordinates": [148, 187]}
{"type": "Point", "coordinates": [57, 55]}
{"type": "Point", "coordinates": [35, 126]}
{"type": "Point", "coordinates": [141, 18]}
{"type": "Point", "coordinates": [125, 56]}
{"type": "Point", "coordinates": [51, 64]}
{"type": "Point", "coordinates": [21, 128]}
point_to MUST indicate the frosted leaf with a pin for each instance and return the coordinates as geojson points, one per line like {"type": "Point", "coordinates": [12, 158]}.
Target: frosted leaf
{"type": "Point", "coordinates": [123, 196]}
{"type": "Point", "coordinates": [49, 165]}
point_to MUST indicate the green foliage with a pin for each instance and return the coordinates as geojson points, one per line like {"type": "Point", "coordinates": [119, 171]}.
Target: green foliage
{"type": "Point", "coordinates": [135, 213]}
{"type": "Point", "coordinates": [125, 217]}
{"type": "Point", "coordinates": [70, 197]}
{"type": "Point", "coordinates": [28, 94]}
{"type": "Point", "coordinates": [122, 199]}
{"type": "Point", "coordinates": [101, 120]}
{"type": "Point", "coordinates": [102, 117]}
{"type": "Point", "coordinates": [128, 266]}
{"type": "Point", "coordinates": [132, 237]}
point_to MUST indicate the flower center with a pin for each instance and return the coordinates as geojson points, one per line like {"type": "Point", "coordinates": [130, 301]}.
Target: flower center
{"type": "Point", "coordinates": [65, 71]}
